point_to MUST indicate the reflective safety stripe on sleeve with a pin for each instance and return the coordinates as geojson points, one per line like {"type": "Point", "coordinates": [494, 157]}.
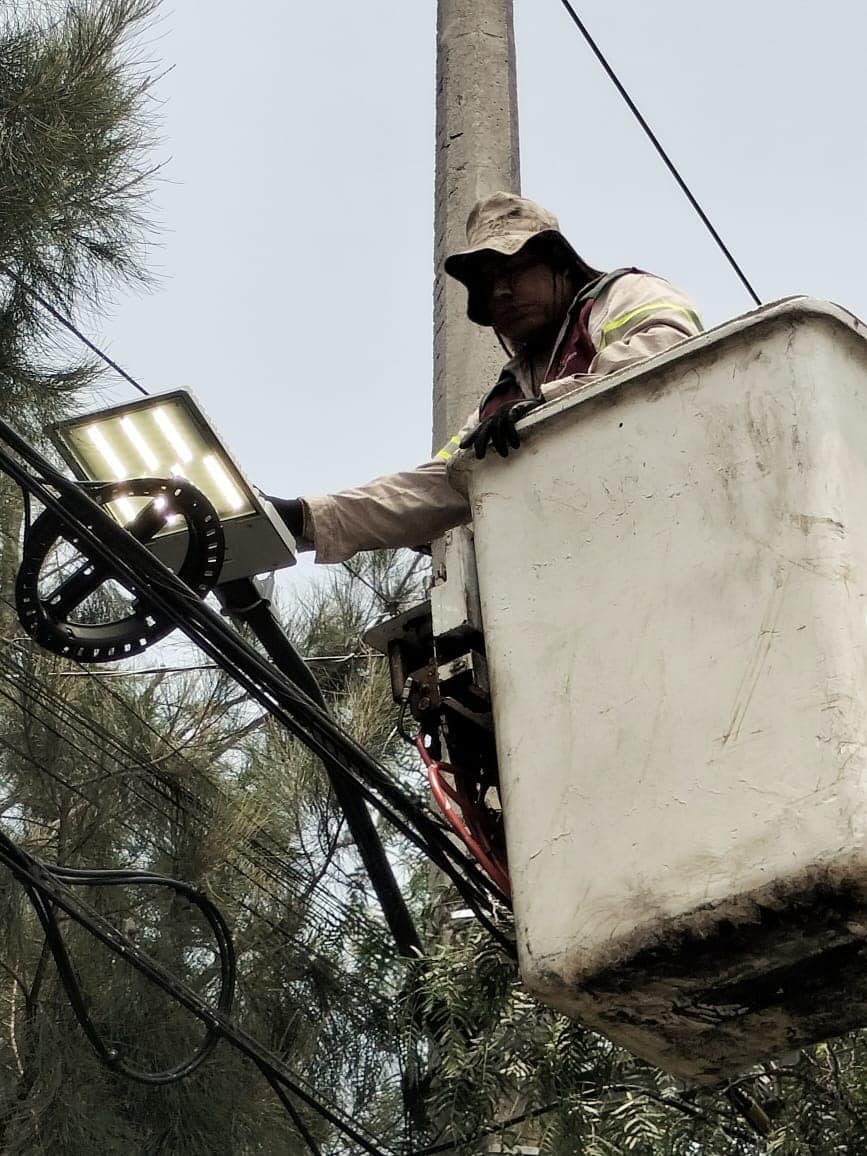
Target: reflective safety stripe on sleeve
{"type": "Point", "coordinates": [609, 330]}
{"type": "Point", "coordinates": [449, 449]}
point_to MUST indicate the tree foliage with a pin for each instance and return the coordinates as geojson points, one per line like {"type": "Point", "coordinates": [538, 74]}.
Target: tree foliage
{"type": "Point", "coordinates": [167, 771]}
{"type": "Point", "coordinates": [497, 1055]}
{"type": "Point", "coordinates": [76, 134]}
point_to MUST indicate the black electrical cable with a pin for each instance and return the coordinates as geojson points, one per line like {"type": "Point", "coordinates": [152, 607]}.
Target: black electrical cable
{"type": "Point", "coordinates": [629, 1090]}
{"type": "Point", "coordinates": [54, 707]}
{"type": "Point", "coordinates": [41, 766]}
{"type": "Point", "coordinates": [321, 960]}
{"type": "Point", "coordinates": [337, 917]}
{"type": "Point", "coordinates": [28, 757]}
{"type": "Point", "coordinates": [242, 600]}
{"type": "Point", "coordinates": [281, 1095]}
{"type": "Point", "coordinates": [70, 327]}
{"type": "Point", "coordinates": [88, 874]}
{"type": "Point", "coordinates": [18, 863]}
{"type": "Point", "coordinates": [486, 1133]}
{"type": "Point", "coordinates": [654, 140]}
{"type": "Point", "coordinates": [300, 944]}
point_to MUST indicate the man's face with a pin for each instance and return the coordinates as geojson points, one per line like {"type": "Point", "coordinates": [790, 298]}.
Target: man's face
{"type": "Point", "coordinates": [524, 295]}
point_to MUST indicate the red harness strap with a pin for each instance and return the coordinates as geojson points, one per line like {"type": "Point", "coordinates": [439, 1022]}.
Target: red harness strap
{"type": "Point", "coordinates": [573, 355]}
{"type": "Point", "coordinates": [576, 351]}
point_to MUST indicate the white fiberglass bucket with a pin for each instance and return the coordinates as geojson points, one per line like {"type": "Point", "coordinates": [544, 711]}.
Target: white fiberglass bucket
{"type": "Point", "coordinates": [673, 575]}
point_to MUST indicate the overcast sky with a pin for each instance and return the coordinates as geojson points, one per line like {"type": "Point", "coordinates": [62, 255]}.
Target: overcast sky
{"type": "Point", "coordinates": [295, 213]}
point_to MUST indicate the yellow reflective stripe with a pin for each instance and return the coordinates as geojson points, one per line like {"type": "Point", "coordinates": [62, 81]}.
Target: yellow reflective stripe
{"type": "Point", "coordinates": [447, 454]}
{"type": "Point", "coordinates": [625, 318]}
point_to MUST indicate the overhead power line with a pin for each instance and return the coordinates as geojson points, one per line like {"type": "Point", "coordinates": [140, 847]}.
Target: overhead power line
{"type": "Point", "coordinates": [71, 328]}
{"type": "Point", "coordinates": [311, 660]}
{"type": "Point", "coordinates": [654, 140]}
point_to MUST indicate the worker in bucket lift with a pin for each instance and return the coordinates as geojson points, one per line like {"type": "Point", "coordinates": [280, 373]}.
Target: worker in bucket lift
{"type": "Point", "coordinates": [563, 323]}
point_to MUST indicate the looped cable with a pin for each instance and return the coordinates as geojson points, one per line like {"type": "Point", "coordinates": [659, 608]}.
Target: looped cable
{"type": "Point", "coordinates": [22, 865]}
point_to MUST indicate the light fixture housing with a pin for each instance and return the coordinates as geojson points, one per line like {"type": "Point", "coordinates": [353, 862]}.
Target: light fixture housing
{"type": "Point", "coordinates": [168, 435]}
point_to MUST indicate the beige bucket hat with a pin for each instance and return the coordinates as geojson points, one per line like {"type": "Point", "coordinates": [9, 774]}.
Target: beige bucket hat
{"type": "Point", "coordinates": [502, 224]}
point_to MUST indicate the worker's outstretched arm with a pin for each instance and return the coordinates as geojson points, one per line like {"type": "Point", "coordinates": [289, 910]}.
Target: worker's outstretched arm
{"type": "Point", "coordinates": [410, 508]}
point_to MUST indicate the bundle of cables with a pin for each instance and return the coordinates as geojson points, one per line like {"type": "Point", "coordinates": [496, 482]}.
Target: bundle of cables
{"type": "Point", "coordinates": [108, 544]}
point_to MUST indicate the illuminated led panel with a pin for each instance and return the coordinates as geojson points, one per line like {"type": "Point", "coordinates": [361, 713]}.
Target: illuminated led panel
{"type": "Point", "coordinates": [161, 438]}
{"type": "Point", "coordinates": [169, 436]}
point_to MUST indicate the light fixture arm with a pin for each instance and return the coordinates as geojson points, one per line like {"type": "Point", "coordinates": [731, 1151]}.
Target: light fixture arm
{"type": "Point", "coordinates": [243, 601]}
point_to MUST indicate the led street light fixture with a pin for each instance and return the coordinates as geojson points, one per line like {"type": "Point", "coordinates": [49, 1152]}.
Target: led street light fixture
{"type": "Point", "coordinates": [169, 436]}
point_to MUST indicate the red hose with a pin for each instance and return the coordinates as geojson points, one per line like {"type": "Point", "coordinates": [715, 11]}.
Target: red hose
{"type": "Point", "coordinates": [466, 823]}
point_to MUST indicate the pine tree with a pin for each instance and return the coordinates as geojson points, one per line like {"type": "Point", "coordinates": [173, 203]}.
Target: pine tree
{"type": "Point", "coordinates": [170, 772]}
{"type": "Point", "coordinates": [75, 172]}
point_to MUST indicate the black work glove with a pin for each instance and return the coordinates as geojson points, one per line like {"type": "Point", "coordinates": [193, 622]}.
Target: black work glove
{"type": "Point", "coordinates": [499, 429]}
{"type": "Point", "coordinates": [291, 511]}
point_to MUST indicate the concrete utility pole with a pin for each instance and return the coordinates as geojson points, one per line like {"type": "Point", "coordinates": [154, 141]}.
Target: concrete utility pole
{"type": "Point", "coordinates": [477, 153]}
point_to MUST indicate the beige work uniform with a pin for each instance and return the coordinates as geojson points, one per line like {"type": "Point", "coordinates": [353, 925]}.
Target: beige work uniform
{"type": "Point", "coordinates": [637, 316]}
